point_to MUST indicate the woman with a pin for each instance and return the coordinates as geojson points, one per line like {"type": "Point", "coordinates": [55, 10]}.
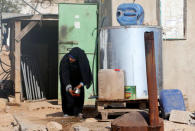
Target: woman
{"type": "Point", "coordinates": [75, 72]}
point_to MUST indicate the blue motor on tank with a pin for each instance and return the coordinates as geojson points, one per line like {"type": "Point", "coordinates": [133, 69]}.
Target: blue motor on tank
{"type": "Point", "coordinates": [130, 14]}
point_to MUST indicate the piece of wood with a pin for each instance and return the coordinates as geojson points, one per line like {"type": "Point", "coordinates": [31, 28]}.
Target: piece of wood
{"type": "Point", "coordinates": [28, 27]}
{"type": "Point", "coordinates": [119, 110]}
{"type": "Point", "coordinates": [17, 64]}
{"type": "Point", "coordinates": [24, 31]}
{"type": "Point", "coordinates": [12, 48]}
{"type": "Point", "coordinates": [122, 100]}
{"type": "Point", "coordinates": [180, 116]}
{"type": "Point", "coordinates": [104, 115]}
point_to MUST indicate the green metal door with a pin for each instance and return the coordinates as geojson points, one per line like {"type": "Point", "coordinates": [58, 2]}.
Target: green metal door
{"type": "Point", "coordinates": [78, 28]}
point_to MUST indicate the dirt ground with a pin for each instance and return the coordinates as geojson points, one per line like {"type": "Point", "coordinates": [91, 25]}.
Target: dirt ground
{"type": "Point", "coordinates": [35, 116]}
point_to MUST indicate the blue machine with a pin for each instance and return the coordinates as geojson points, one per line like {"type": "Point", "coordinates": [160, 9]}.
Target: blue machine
{"type": "Point", "coordinates": [130, 14]}
{"type": "Point", "coordinates": [171, 99]}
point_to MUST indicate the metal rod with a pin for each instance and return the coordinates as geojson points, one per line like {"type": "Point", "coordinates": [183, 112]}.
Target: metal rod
{"type": "Point", "coordinates": [39, 81]}
{"type": "Point", "coordinates": [34, 80]}
{"type": "Point", "coordinates": [29, 84]}
{"type": "Point", "coordinates": [36, 83]}
{"type": "Point", "coordinates": [24, 78]}
{"type": "Point", "coordinates": [30, 79]}
{"type": "Point", "coordinates": [33, 86]}
{"type": "Point", "coordinates": [26, 72]}
{"type": "Point", "coordinates": [32, 7]}
{"type": "Point", "coordinates": [151, 79]}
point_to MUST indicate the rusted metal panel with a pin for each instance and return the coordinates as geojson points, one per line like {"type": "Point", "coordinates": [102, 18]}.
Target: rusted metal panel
{"type": "Point", "coordinates": [154, 122]}
{"type": "Point", "coordinates": [151, 78]}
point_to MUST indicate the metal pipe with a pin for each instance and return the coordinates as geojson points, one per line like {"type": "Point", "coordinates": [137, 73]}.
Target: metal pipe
{"type": "Point", "coordinates": [31, 77]}
{"type": "Point", "coordinates": [29, 84]}
{"type": "Point", "coordinates": [39, 81]}
{"type": "Point", "coordinates": [34, 80]}
{"type": "Point", "coordinates": [24, 78]}
{"type": "Point", "coordinates": [33, 86]}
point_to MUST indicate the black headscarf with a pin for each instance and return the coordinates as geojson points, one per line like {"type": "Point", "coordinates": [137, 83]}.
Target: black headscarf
{"type": "Point", "coordinates": [83, 64]}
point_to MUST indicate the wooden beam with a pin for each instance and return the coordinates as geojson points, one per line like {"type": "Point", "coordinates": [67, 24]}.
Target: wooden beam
{"type": "Point", "coordinates": [12, 48]}
{"type": "Point", "coordinates": [26, 29]}
{"type": "Point", "coordinates": [17, 54]}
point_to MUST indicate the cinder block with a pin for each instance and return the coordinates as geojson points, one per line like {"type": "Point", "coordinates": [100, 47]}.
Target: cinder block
{"type": "Point", "coordinates": [180, 116]}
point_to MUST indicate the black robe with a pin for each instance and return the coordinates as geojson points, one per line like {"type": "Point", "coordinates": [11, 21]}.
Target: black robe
{"type": "Point", "coordinates": [74, 73]}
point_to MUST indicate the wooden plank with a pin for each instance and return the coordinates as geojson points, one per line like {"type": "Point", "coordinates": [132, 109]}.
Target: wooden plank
{"type": "Point", "coordinates": [122, 100]}
{"type": "Point", "coordinates": [119, 110]}
{"type": "Point", "coordinates": [26, 29]}
{"type": "Point", "coordinates": [12, 48]}
{"type": "Point", "coordinates": [17, 64]}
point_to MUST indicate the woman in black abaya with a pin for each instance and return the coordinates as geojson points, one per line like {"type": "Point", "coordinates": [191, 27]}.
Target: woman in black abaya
{"type": "Point", "coordinates": [75, 72]}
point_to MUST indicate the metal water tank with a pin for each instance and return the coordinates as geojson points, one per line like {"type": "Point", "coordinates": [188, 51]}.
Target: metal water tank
{"type": "Point", "coordinates": [124, 48]}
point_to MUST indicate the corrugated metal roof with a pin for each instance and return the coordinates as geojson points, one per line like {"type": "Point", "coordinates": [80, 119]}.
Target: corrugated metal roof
{"type": "Point", "coordinates": [12, 16]}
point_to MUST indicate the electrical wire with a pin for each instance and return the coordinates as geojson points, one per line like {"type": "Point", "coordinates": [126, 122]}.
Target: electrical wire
{"type": "Point", "coordinates": [95, 52]}
{"type": "Point", "coordinates": [32, 7]}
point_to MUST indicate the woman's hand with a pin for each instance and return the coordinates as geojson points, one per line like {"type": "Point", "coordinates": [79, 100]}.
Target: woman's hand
{"type": "Point", "coordinates": [79, 86]}
{"type": "Point", "coordinates": [73, 93]}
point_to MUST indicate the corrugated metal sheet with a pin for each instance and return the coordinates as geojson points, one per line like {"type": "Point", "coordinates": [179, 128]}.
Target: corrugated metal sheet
{"type": "Point", "coordinates": [13, 15]}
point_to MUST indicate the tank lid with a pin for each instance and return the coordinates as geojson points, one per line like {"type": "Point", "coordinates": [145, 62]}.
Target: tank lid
{"type": "Point", "coordinates": [131, 26]}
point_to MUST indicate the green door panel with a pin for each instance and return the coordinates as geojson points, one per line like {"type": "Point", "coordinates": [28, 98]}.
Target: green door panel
{"type": "Point", "coordinates": [78, 28]}
{"type": "Point", "coordinates": [78, 22]}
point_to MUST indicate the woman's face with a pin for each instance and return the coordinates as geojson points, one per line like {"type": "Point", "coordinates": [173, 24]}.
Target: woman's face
{"type": "Point", "coordinates": [72, 60]}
